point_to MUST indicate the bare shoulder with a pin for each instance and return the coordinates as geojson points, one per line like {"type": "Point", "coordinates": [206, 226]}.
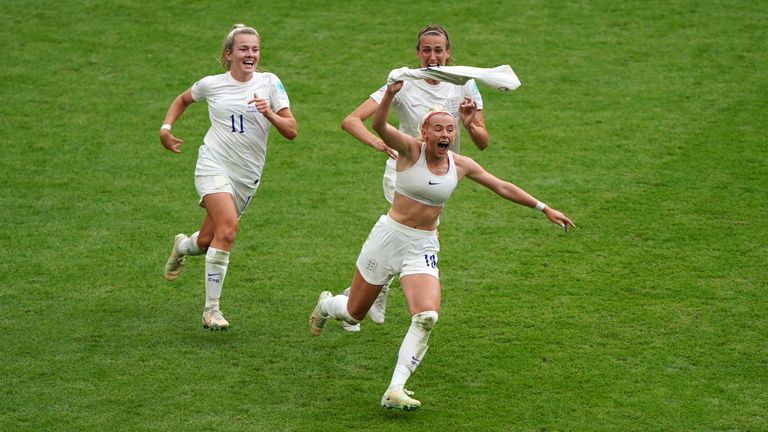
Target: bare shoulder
{"type": "Point", "coordinates": [464, 164]}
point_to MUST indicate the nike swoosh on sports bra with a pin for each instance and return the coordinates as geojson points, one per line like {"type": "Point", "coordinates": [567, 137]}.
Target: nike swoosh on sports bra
{"type": "Point", "coordinates": [420, 184]}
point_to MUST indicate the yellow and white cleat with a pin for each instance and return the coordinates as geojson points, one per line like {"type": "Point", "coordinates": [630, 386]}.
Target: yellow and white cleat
{"type": "Point", "coordinates": [317, 320]}
{"type": "Point", "coordinates": [399, 399]}
{"type": "Point", "coordinates": [175, 262]}
{"type": "Point", "coordinates": [214, 320]}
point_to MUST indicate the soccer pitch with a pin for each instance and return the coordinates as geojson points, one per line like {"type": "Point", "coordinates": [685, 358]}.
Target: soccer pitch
{"type": "Point", "coordinates": [643, 121]}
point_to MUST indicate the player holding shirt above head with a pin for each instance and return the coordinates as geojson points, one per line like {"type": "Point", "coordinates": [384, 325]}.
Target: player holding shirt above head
{"type": "Point", "coordinates": [242, 105]}
{"type": "Point", "coordinates": [411, 104]}
{"type": "Point", "coordinates": [404, 241]}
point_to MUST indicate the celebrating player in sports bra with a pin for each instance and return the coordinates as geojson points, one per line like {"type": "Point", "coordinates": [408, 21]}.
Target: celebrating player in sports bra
{"type": "Point", "coordinates": [404, 241]}
{"type": "Point", "coordinates": [433, 48]}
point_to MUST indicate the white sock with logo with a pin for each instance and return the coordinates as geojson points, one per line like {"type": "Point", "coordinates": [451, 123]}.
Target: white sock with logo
{"type": "Point", "coordinates": [413, 348]}
{"type": "Point", "coordinates": [189, 246]}
{"type": "Point", "coordinates": [216, 261]}
{"type": "Point", "coordinates": [336, 308]}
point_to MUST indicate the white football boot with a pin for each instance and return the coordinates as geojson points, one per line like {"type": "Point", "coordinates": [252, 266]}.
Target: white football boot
{"type": "Point", "coordinates": [379, 307]}
{"type": "Point", "coordinates": [317, 320]}
{"type": "Point", "coordinates": [352, 328]}
{"type": "Point", "coordinates": [399, 399]}
{"type": "Point", "coordinates": [175, 262]}
{"type": "Point", "coordinates": [214, 320]}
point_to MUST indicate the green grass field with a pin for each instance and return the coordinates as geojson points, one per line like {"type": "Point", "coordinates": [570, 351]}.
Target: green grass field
{"type": "Point", "coordinates": [642, 120]}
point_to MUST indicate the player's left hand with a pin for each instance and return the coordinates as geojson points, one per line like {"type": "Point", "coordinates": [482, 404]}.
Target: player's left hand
{"type": "Point", "coordinates": [467, 111]}
{"type": "Point", "coordinates": [262, 105]}
{"type": "Point", "coordinates": [558, 218]}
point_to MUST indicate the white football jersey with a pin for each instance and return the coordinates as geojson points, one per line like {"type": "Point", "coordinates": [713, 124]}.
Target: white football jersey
{"type": "Point", "coordinates": [418, 97]}
{"type": "Point", "coordinates": [237, 139]}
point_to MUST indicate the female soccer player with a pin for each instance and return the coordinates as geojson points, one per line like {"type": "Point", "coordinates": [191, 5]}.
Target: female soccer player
{"type": "Point", "coordinates": [242, 105]}
{"type": "Point", "coordinates": [433, 48]}
{"type": "Point", "coordinates": [404, 241]}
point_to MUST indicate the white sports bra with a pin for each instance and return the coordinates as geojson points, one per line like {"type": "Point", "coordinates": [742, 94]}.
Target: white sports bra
{"type": "Point", "coordinates": [420, 184]}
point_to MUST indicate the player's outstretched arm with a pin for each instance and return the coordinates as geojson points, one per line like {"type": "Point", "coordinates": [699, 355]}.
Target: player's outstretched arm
{"type": "Point", "coordinates": [508, 191]}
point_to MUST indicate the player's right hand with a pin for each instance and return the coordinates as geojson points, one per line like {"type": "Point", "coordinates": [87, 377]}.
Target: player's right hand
{"type": "Point", "coordinates": [170, 142]}
{"type": "Point", "coordinates": [394, 87]}
{"type": "Point", "coordinates": [379, 145]}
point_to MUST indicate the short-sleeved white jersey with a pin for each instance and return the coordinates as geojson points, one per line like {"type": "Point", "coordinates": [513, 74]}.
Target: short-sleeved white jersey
{"type": "Point", "coordinates": [237, 138]}
{"type": "Point", "coordinates": [418, 97]}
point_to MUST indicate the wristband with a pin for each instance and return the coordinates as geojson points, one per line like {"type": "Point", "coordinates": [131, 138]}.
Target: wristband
{"type": "Point", "coordinates": [165, 126]}
{"type": "Point", "coordinates": [540, 206]}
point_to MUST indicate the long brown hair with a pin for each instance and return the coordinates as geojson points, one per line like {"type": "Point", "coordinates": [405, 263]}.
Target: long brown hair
{"type": "Point", "coordinates": [435, 30]}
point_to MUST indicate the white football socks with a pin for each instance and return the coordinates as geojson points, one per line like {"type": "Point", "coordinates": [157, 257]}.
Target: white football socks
{"type": "Point", "coordinates": [336, 308]}
{"type": "Point", "coordinates": [189, 246]}
{"type": "Point", "coordinates": [216, 262]}
{"type": "Point", "coordinates": [413, 348]}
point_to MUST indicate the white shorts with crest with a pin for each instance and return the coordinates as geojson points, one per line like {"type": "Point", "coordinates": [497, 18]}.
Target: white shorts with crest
{"type": "Point", "coordinates": [395, 249]}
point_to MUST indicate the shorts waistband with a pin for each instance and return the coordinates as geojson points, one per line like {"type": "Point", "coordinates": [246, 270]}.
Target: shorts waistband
{"type": "Point", "coordinates": [413, 232]}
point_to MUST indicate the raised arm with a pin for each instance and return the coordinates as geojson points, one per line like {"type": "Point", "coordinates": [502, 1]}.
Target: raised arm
{"type": "Point", "coordinates": [355, 126]}
{"type": "Point", "coordinates": [507, 190]}
{"type": "Point", "coordinates": [474, 123]}
{"type": "Point", "coordinates": [177, 108]}
{"type": "Point", "coordinates": [392, 137]}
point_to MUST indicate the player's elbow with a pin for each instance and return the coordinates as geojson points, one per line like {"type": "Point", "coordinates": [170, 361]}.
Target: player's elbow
{"type": "Point", "coordinates": [379, 127]}
{"type": "Point", "coordinates": [348, 122]}
{"type": "Point", "coordinates": [291, 133]}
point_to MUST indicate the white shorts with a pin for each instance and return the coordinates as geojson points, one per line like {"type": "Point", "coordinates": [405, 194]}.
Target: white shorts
{"type": "Point", "coordinates": [393, 248]}
{"type": "Point", "coordinates": [210, 184]}
{"type": "Point", "coordinates": [211, 177]}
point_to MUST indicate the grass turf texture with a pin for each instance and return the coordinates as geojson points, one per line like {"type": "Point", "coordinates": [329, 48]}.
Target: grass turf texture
{"type": "Point", "coordinates": [644, 121]}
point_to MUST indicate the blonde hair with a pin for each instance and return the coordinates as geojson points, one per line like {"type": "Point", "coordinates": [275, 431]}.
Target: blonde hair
{"type": "Point", "coordinates": [432, 112]}
{"type": "Point", "coordinates": [229, 41]}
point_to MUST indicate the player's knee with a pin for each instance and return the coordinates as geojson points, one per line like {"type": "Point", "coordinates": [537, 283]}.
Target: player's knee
{"type": "Point", "coordinates": [426, 320]}
{"type": "Point", "coordinates": [227, 232]}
